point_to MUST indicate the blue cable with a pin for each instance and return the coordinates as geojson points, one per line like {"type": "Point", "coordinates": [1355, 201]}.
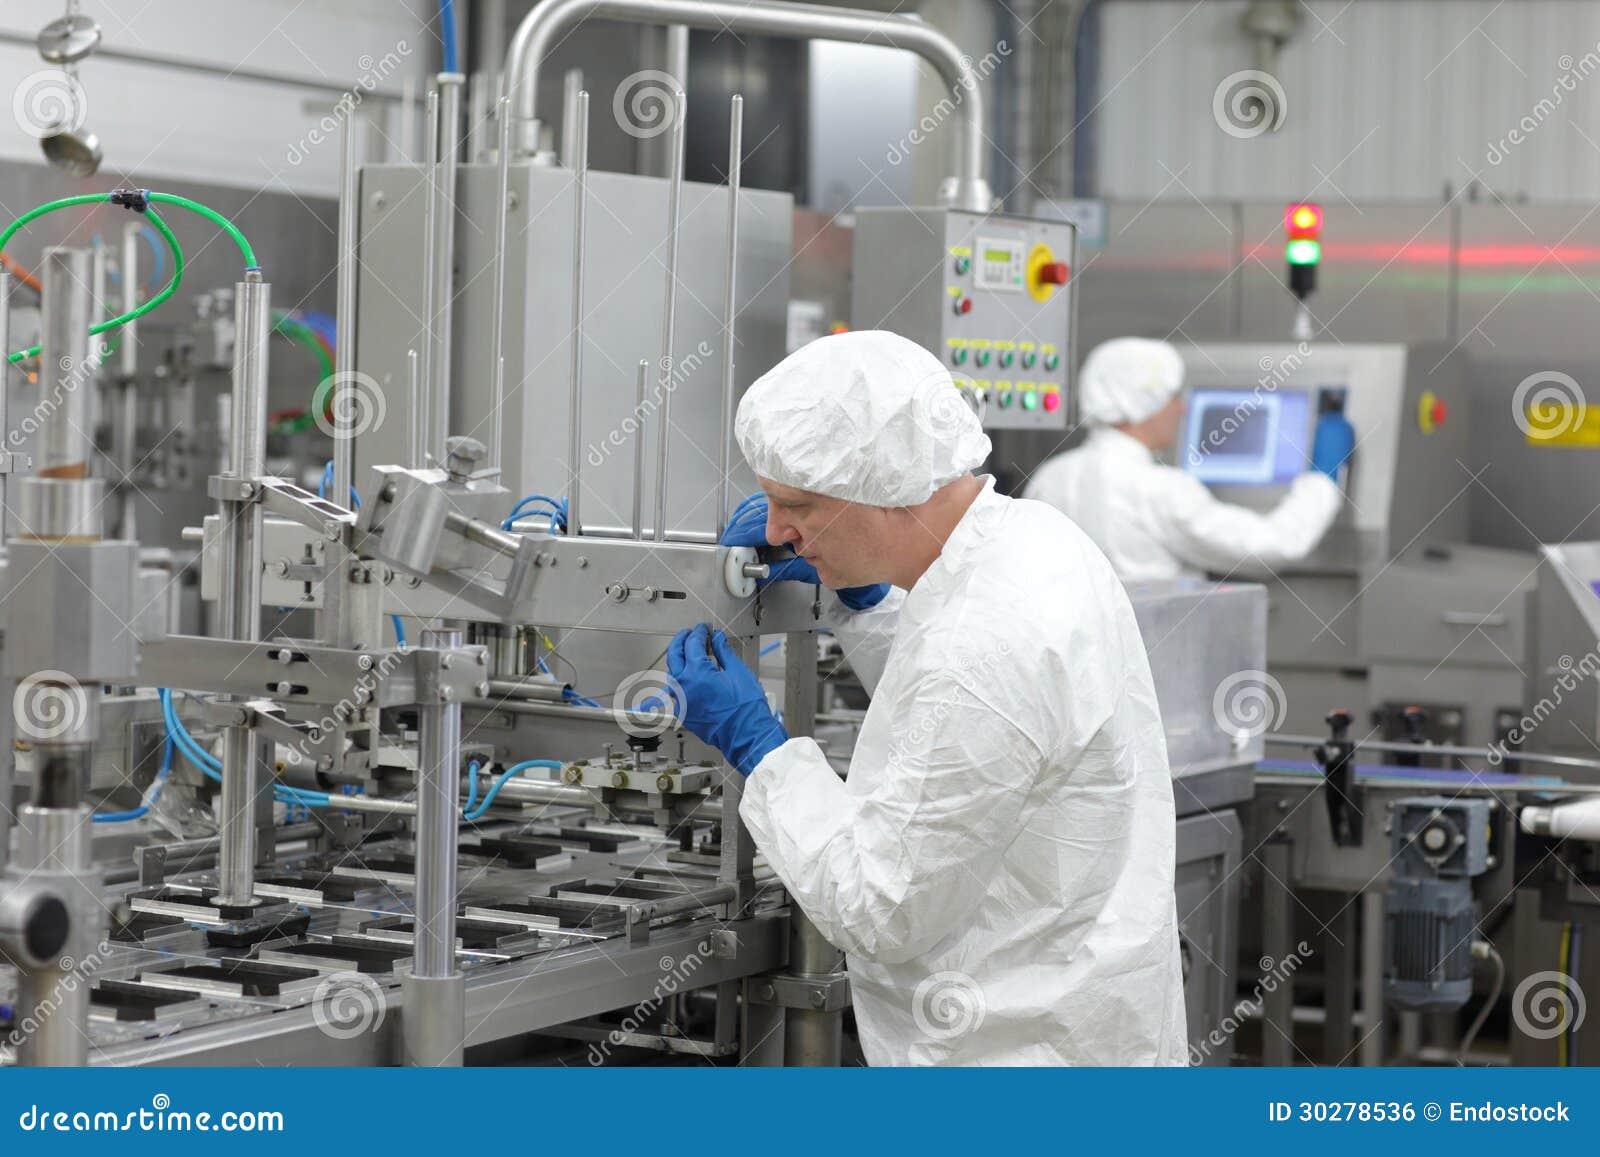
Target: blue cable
{"type": "Point", "coordinates": [144, 808]}
{"type": "Point", "coordinates": [557, 511]}
{"type": "Point", "coordinates": [327, 484]}
{"type": "Point", "coordinates": [399, 631]}
{"type": "Point", "coordinates": [572, 696]}
{"type": "Point", "coordinates": [505, 778]}
{"type": "Point", "coordinates": [447, 33]}
{"type": "Point", "coordinates": [771, 647]}
{"type": "Point", "coordinates": [211, 766]}
{"type": "Point", "coordinates": [472, 787]}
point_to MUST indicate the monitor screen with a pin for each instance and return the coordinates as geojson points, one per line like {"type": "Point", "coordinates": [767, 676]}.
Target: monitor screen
{"type": "Point", "coordinates": [1247, 437]}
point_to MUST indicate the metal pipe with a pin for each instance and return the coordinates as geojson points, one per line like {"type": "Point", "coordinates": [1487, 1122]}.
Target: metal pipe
{"type": "Point", "coordinates": [438, 789]}
{"type": "Point", "coordinates": [126, 423]}
{"type": "Point", "coordinates": [1372, 964]}
{"type": "Point", "coordinates": [498, 317]}
{"type": "Point", "coordinates": [543, 687]}
{"type": "Point", "coordinates": [239, 596]}
{"type": "Point", "coordinates": [484, 535]}
{"type": "Point", "coordinates": [5, 516]}
{"type": "Point", "coordinates": [128, 334]}
{"type": "Point", "coordinates": [477, 113]}
{"type": "Point", "coordinates": [670, 309]}
{"type": "Point", "coordinates": [729, 305]}
{"type": "Point", "coordinates": [580, 197]}
{"type": "Point", "coordinates": [55, 998]}
{"type": "Point", "coordinates": [444, 260]}
{"type": "Point", "coordinates": [571, 86]}
{"type": "Point", "coordinates": [572, 711]}
{"type": "Point", "coordinates": [64, 427]}
{"type": "Point", "coordinates": [544, 26]}
{"type": "Point", "coordinates": [430, 245]}
{"type": "Point", "coordinates": [638, 451]}
{"type": "Point", "coordinates": [414, 392]}
{"type": "Point", "coordinates": [1507, 755]}
{"type": "Point", "coordinates": [344, 351]}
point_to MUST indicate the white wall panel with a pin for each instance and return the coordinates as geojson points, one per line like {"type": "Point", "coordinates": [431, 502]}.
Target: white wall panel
{"type": "Point", "coordinates": [1386, 99]}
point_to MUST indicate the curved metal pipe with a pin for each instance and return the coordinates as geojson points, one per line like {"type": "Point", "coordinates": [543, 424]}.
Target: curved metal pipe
{"type": "Point", "coordinates": [542, 28]}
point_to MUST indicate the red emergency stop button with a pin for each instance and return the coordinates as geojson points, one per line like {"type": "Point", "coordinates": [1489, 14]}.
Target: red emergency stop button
{"type": "Point", "coordinates": [1052, 403]}
{"type": "Point", "coordinates": [1053, 273]}
{"type": "Point", "coordinates": [1440, 412]}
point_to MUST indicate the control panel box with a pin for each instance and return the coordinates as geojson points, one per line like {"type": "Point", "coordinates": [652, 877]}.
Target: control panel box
{"type": "Point", "coordinates": [990, 296]}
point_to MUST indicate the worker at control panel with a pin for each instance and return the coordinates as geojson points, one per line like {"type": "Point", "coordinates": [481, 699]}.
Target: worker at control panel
{"type": "Point", "coordinates": [1004, 839]}
{"type": "Point", "coordinates": [1156, 521]}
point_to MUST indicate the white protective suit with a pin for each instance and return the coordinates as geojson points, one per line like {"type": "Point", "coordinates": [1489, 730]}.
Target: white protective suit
{"type": "Point", "coordinates": [1156, 522]}
{"type": "Point", "coordinates": [998, 867]}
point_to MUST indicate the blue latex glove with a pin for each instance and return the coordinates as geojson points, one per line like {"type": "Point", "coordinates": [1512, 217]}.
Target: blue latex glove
{"type": "Point", "coordinates": [724, 704]}
{"type": "Point", "coordinates": [1334, 442]}
{"type": "Point", "coordinates": [748, 527]}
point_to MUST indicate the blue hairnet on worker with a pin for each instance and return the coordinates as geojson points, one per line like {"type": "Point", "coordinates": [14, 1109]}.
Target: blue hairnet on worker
{"type": "Point", "coordinates": [1155, 521]}
{"type": "Point", "coordinates": [998, 864]}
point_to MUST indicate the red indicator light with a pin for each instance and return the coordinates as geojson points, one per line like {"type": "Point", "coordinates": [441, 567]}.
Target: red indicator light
{"type": "Point", "coordinates": [1052, 403]}
{"type": "Point", "coordinates": [1303, 221]}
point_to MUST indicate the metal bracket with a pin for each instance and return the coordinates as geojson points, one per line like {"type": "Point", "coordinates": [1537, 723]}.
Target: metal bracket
{"type": "Point", "coordinates": [828, 993]}
{"type": "Point", "coordinates": [282, 497]}
{"type": "Point", "coordinates": [227, 488]}
{"type": "Point", "coordinates": [11, 462]}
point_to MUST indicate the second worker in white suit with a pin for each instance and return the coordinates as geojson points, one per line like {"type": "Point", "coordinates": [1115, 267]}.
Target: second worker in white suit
{"type": "Point", "coordinates": [1153, 520]}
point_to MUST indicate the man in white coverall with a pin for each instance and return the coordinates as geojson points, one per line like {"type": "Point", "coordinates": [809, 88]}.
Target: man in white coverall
{"type": "Point", "coordinates": [1154, 521]}
{"type": "Point", "coordinates": [1005, 836]}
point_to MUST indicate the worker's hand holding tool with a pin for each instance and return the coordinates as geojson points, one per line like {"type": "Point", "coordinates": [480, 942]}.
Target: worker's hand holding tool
{"type": "Point", "coordinates": [748, 527]}
{"type": "Point", "coordinates": [724, 704]}
{"type": "Point", "coordinates": [1334, 442]}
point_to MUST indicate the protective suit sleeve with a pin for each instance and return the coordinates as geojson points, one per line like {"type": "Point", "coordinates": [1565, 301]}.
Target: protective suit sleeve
{"type": "Point", "coordinates": [897, 858]}
{"type": "Point", "coordinates": [1208, 533]}
{"type": "Point", "coordinates": [866, 636]}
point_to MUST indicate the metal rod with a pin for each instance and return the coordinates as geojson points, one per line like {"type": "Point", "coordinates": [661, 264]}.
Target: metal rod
{"type": "Point", "coordinates": [5, 516]}
{"type": "Point", "coordinates": [1508, 755]}
{"type": "Point", "coordinates": [128, 334]}
{"type": "Point", "coordinates": [638, 450]}
{"type": "Point", "coordinates": [547, 23]}
{"type": "Point", "coordinates": [670, 309]}
{"type": "Point", "coordinates": [450, 84]}
{"type": "Point", "coordinates": [438, 790]}
{"type": "Point", "coordinates": [430, 245]}
{"type": "Point", "coordinates": [414, 393]}
{"type": "Point", "coordinates": [571, 85]}
{"type": "Point", "coordinates": [126, 421]}
{"type": "Point", "coordinates": [498, 318]}
{"type": "Point", "coordinates": [729, 305]}
{"type": "Point", "coordinates": [580, 196]}
{"type": "Point", "coordinates": [344, 351]}
{"type": "Point", "coordinates": [239, 597]}
{"type": "Point", "coordinates": [64, 427]}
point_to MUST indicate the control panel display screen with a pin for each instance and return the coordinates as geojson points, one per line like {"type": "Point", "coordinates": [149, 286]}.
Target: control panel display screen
{"type": "Point", "coordinates": [1247, 437]}
{"type": "Point", "coordinates": [1003, 264]}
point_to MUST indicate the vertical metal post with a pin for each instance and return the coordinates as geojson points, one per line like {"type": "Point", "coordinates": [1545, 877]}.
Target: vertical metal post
{"type": "Point", "coordinates": [55, 999]}
{"type": "Point", "coordinates": [1277, 942]}
{"type": "Point", "coordinates": [344, 351]}
{"type": "Point", "coordinates": [126, 421]}
{"type": "Point", "coordinates": [580, 196]}
{"type": "Point", "coordinates": [638, 449]}
{"type": "Point", "coordinates": [67, 312]}
{"type": "Point", "coordinates": [8, 758]}
{"type": "Point", "coordinates": [669, 315]}
{"type": "Point", "coordinates": [414, 394]}
{"type": "Point", "coordinates": [430, 246]}
{"type": "Point", "coordinates": [449, 147]}
{"type": "Point", "coordinates": [729, 305]}
{"type": "Point", "coordinates": [1372, 1006]}
{"type": "Point", "coordinates": [571, 86]}
{"type": "Point", "coordinates": [434, 1024]}
{"type": "Point", "coordinates": [810, 1037]}
{"type": "Point", "coordinates": [498, 318]}
{"type": "Point", "coordinates": [240, 592]}
{"type": "Point", "coordinates": [1339, 947]}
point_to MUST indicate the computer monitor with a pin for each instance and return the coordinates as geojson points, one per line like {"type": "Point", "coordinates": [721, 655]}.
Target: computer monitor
{"type": "Point", "coordinates": [1247, 437]}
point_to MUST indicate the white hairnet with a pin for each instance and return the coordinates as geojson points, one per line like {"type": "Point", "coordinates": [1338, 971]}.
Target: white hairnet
{"type": "Point", "coordinates": [1128, 379]}
{"type": "Point", "coordinates": [868, 417]}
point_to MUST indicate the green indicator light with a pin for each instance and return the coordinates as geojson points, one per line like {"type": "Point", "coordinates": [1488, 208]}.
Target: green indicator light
{"type": "Point", "coordinates": [1304, 252]}
{"type": "Point", "coordinates": [1030, 400]}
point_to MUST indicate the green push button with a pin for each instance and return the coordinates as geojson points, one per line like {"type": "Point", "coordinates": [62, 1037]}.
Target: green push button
{"type": "Point", "coordinates": [1030, 400]}
{"type": "Point", "coordinates": [959, 355]}
{"type": "Point", "coordinates": [982, 357]}
{"type": "Point", "coordinates": [1004, 399]}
